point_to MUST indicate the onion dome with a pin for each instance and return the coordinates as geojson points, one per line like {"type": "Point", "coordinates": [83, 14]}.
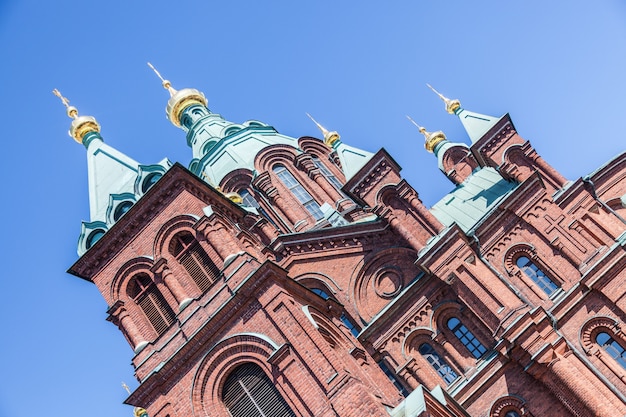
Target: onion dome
{"type": "Point", "coordinates": [179, 99]}
{"type": "Point", "coordinates": [139, 412]}
{"type": "Point", "coordinates": [81, 125]}
{"type": "Point", "coordinates": [432, 139]}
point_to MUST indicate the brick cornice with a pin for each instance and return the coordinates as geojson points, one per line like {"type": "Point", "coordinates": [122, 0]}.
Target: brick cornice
{"type": "Point", "coordinates": [176, 180]}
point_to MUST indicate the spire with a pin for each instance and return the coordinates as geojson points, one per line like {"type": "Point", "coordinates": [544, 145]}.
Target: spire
{"type": "Point", "coordinates": [329, 137]}
{"type": "Point", "coordinates": [351, 159]}
{"type": "Point", "coordinates": [432, 139]}
{"type": "Point", "coordinates": [475, 124]}
{"type": "Point", "coordinates": [110, 172]}
{"type": "Point", "coordinates": [451, 105]}
{"type": "Point", "coordinates": [83, 128]}
{"type": "Point", "coordinates": [179, 99]}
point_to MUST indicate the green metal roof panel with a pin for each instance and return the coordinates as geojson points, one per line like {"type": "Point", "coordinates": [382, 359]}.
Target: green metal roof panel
{"type": "Point", "coordinates": [470, 201]}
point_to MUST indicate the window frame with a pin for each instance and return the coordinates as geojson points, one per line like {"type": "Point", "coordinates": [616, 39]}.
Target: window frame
{"type": "Point", "coordinates": [298, 191]}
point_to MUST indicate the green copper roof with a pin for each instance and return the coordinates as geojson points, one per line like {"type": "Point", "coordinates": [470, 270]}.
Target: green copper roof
{"type": "Point", "coordinates": [110, 172]}
{"type": "Point", "coordinates": [475, 124]}
{"type": "Point", "coordinates": [352, 159]}
{"type": "Point", "coordinates": [470, 201]}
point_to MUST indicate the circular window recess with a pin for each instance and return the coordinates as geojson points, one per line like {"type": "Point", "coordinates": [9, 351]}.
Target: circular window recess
{"type": "Point", "coordinates": [388, 283]}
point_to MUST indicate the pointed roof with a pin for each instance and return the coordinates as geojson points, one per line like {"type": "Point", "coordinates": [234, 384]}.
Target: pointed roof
{"type": "Point", "coordinates": [110, 172]}
{"type": "Point", "coordinates": [351, 159]}
{"type": "Point", "coordinates": [475, 124]}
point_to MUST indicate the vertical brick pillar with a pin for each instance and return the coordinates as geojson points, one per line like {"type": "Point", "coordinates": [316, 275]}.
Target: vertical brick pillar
{"type": "Point", "coordinates": [165, 273]}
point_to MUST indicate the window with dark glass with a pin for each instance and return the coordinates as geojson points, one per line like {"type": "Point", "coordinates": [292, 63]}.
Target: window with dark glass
{"type": "Point", "coordinates": [248, 392]}
{"type": "Point", "coordinates": [143, 291]}
{"type": "Point", "coordinates": [188, 252]}
{"type": "Point", "coordinates": [351, 326]}
{"type": "Point", "coordinates": [466, 337]}
{"type": "Point", "coordinates": [443, 369]}
{"type": "Point", "coordinates": [298, 191]}
{"type": "Point", "coordinates": [512, 413]}
{"type": "Point", "coordinates": [150, 180]}
{"type": "Point", "coordinates": [321, 293]}
{"type": "Point", "coordinates": [250, 201]}
{"type": "Point", "coordinates": [392, 377]}
{"type": "Point", "coordinates": [536, 275]}
{"type": "Point", "coordinates": [327, 173]}
{"type": "Point", "coordinates": [121, 209]}
{"type": "Point", "coordinates": [94, 237]}
{"type": "Point", "coordinates": [612, 347]}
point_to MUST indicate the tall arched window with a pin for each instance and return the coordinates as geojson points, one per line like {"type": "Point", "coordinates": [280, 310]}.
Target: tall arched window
{"type": "Point", "coordinates": [326, 173]}
{"type": "Point", "coordinates": [466, 337]}
{"type": "Point", "coordinates": [250, 201]}
{"type": "Point", "coordinates": [612, 347]}
{"type": "Point", "coordinates": [537, 275]}
{"type": "Point", "coordinates": [187, 251]}
{"type": "Point", "coordinates": [298, 191]}
{"type": "Point", "coordinates": [437, 362]}
{"type": "Point", "coordinates": [248, 392]}
{"type": "Point", "coordinates": [143, 291]}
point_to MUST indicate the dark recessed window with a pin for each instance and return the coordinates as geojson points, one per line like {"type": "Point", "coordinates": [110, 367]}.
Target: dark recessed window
{"type": "Point", "coordinates": [121, 209]}
{"type": "Point", "coordinates": [321, 293]}
{"type": "Point", "coordinates": [188, 252]}
{"type": "Point", "coordinates": [150, 180]}
{"type": "Point", "coordinates": [94, 237]}
{"type": "Point", "coordinates": [612, 347]}
{"type": "Point", "coordinates": [298, 191]}
{"type": "Point", "coordinates": [142, 290]}
{"type": "Point", "coordinates": [466, 337]}
{"type": "Point", "coordinates": [443, 369]}
{"type": "Point", "coordinates": [248, 392]}
{"type": "Point", "coordinates": [537, 275]}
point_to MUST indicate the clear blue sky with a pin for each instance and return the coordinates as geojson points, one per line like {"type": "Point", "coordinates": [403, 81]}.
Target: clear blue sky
{"type": "Point", "coordinates": [359, 67]}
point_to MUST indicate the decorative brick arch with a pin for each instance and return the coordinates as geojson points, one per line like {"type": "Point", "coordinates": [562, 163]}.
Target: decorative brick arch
{"type": "Point", "coordinates": [329, 331]}
{"type": "Point", "coordinates": [169, 229]}
{"type": "Point", "coordinates": [314, 146]}
{"type": "Point", "coordinates": [516, 156]}
{"type": "Point", "coordinates": [237, 180]}
{"type": "Point", "coordinates": [595, 325]}
{"type": "Point", "coordinates": [315, 279]}
{"type": "Point", "coordinates": [219, 361]}
{"type": "Point", "coordinates": [125, 273]}
{"type": "Point", "coordinates": [414, 338]}
{"type": "Point", "coordinates": [381, 277]}
{"type": "Point", "coordinates": [275, 154]}
{"type": "Point", "coordinates": [509, 403]}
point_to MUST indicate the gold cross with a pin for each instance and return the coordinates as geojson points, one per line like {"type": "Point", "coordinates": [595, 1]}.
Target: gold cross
{"type": "Point", "coordinates": [65, 101]}
{"type": "Point", "coordinates": [126, 387]}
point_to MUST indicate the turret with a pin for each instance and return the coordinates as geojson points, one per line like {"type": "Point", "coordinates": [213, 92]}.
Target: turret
{"type": "Point", "coordinates": [116, 181]}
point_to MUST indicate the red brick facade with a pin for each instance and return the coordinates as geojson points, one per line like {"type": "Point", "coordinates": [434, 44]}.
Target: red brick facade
{"type": "Point", "coordinates": [199, 285]}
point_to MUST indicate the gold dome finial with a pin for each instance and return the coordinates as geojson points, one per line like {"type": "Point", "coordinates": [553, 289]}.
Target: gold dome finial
{"type": "Point", "coordinates": [451, 105]}
{"type": "Point", "coordinates": [81, 125]}
{"type": "Point", "coordinates": [179, 99]}
{"type": "Point", "coordinates": [330, 138]}
{"type": "Point", "coordinates": [432, 139]}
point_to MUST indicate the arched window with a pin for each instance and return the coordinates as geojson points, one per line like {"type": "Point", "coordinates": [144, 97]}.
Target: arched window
{"type": "Point", "coordinates": [250, 201]}
{"type": "Point", "coordinates": [187, 251]}
{"type": "Point", "coordinates": [321, 293]}
{"type": "Point", "coordinates": [512, 413]}
{"type": "Point", "coordinates": [537, 275]}
{"type": "Point", "coordinates": [150, 180]}
{"type": "Point", "coordinates": [466, 337]}
{"type": "Point", "coordinates": [248, 392]}
{"type": "Point", "coordinates": [327, 173]}
{"type": "Point", "coordinates": [121, 209]}
{"type": "Point", "coordinates": [612, 347]}
{"type": "Point", "coordinates": [437, 362]}
{"type": "Point", "coordinates": [298, 191]}
{"type": "Point", "coordinates": [143, 291]}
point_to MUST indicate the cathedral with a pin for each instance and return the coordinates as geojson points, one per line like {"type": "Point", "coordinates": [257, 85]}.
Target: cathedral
{"type": "Point", "coordinates": [278, 276]}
